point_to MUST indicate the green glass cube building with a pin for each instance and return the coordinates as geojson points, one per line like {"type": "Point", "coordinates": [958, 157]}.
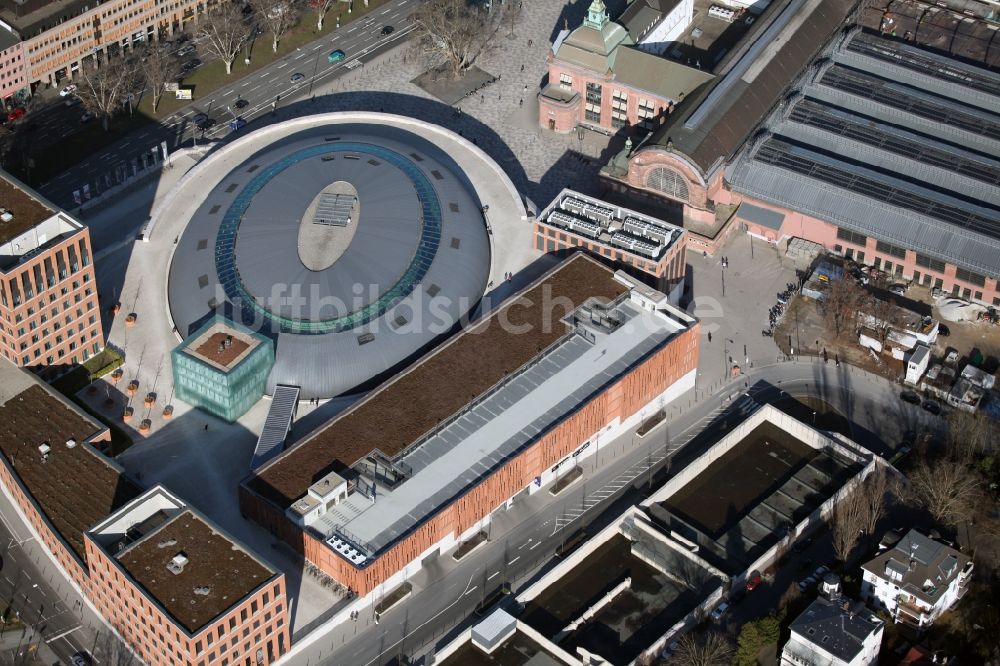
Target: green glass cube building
{"type": "Point", "coordinates": [222, 368]}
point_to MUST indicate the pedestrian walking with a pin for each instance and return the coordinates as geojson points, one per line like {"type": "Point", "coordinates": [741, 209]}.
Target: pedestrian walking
{"type": "Point", "coordinates": [482, 98]}
{"type": "Point", "coordinates": [522, 68]}
{"type": "Point", "coordinates": [710, 336]}
{"type": "Point", "coordinates": [529, 43]}
{"type": "Point", "coordinates": [521, 103]}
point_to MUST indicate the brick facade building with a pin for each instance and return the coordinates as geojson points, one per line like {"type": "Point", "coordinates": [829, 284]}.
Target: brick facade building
{"type": "Point", "coordinates": [223, 605]}
{"type": "Point", "coordinates": [203, 599]}
{"type": "Point", "coordinates": [49, 311]}
{"type": "Point", "coordinates": [307, 495]}
{"type": "Point", "coordinates": [13, 66]}
{"type": "Point", "coordinates": [59, 37]}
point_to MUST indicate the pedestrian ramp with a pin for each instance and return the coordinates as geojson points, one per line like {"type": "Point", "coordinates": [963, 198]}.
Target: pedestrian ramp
{"type": "Point", "coordinates": [278, 424]}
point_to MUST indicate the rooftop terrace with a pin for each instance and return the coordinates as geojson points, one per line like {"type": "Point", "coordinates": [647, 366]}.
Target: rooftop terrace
{"type": "Point", "coordinates": [26, 210]}
{"type": "Point", "coordinates": [216, 573]}
{"type": "Point", "coordinates": [75, 486]}
{"type": "Point", "coordinates": [221, 346]}
{"type": "Point", "coordinates": [409, 406]}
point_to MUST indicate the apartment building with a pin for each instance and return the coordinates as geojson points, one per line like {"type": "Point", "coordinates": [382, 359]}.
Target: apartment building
{"type": "Point", "coordinates": [916, 580]}
{"type": "Point", "coordinates": [834, 631]}
{"type": "Point", "coordinates": [60, 37]}
{"type": "Point", "coordinates": [13, 74]}
{"type": "Point", "coordinates": [49, 311]}
{"type": "Point", "coordinates": [174, 586]}
{"type": "Point", "coordinates": [181, 591]}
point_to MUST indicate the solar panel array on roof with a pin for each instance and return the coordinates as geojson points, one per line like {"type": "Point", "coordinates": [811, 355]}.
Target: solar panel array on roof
{"type": "Point", "coordinates": [910, 100]}
{"type": "Point", "coordinates": [784, 155]}
{"type": "Point", "coordinates": [876, 134]}
{"type": "Point", "coordinates": [575, 224]}
{"type": "Point", "coordinates": [924, 63]}
{"type": "Point", "coordinates": [334, 209]}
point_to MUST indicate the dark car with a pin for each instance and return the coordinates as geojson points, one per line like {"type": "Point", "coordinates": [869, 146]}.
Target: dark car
{"type": "Point", "coordinates": [387, 30]}
{"type": "Point", "coordinates": [802, 544]}
{"type": "Point", "coordinates": [910, 397]}
{"type": "Point", "coordinates": [208, 123]}
{"type": "Point", "coordinates": [943, 330]}
{"type": "Point", "coordinates": [932, 407]}
{"type": "Point", "coordinates": [241, 103]}
{"type": "Point", "coordinates": [15, 114]}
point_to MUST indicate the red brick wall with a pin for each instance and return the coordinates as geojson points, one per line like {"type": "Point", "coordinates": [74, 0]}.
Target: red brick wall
{"type": "Point", "coordinates": [621, 400]}
{"type": "Point", "coordinates": [52, 542]}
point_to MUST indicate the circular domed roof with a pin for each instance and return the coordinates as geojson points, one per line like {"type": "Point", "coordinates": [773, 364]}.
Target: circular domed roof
{"type": "Point", "coordinates": [354, 245]}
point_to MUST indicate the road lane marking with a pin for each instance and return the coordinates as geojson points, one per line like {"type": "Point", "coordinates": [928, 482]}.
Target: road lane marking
{"type": "Point", "coordinates": [494, 575]}
{"type": "Point", "coordinates": [514, 560]}
{"type": "Point", "coordinates": [470, 590]}
{"type": "Point", "coordinates": [537, 544]}
{"type": "Point", "coordinates": [282, 65]}
{"type": "Point", "coordinates": [62, 634]}
{"type": "Point", "coordinates": [230, 92]}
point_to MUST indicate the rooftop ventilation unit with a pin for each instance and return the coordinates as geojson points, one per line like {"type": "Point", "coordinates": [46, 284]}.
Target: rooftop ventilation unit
{"type": "Point", "coordinates": [44, 448]}
{"type": "Point", "coordinates": [6, 217]}
{"type": "Point", "coordinates": [167, 543]}
{"type": "Point", "coordinates": [176, 565]}
{"type": "Point", "coordinates": [70, 443]}
{"type": "Point", "coordinates": [202, 590]}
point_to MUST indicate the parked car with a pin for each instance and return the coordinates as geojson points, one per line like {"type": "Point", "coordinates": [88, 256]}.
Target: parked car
{"type": "Point", "coordinates": [68, 90]}
{"type": "Point", "coordinates": [821, 571]}
{"type": "Point", "coordinates": [15, 114]}
{"type": "Point", "coordinates": [185, 50]}
{"type": "Point", "coordinates": [754, 581]}
{"type": "Point", "coordinates": [81, 659]}
{"type": "Point", "coordinates": [87, 117]}
{"type": "Point", "coordinates": [943, 330]}
{"type": "Point", "coordinates": [297, 76]}
{"type": "Point", "coordinates": [208, 123]}
{"type": "Point", "coordinates": [73, 101]}
{"type": "Point", "coordinates": [802, 544]}
{"type": "Point", "coordinates": [806, 583]}
{"type": "Point", "coordinates": [387, 30]}
{"type": "Point", "coordinates": [199, 118]}
{"type": "Point", "coordinates": [910, 397]}
{"type": "Point", "coordinates": [932, 407]}
{"type": "Point", "coordinates": [336, 56]}
{"type": "Point", "coordinates": [898, 289]}
{"type": "Point", "coordinates": [719, 612]}
{"type": "Point", "coordinates": [241, 103]}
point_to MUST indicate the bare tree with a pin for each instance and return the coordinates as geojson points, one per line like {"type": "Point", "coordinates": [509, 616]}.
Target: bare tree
{"type": "Point", "coordinates": [158, 68]}
{"type": "Point", "coordinates": [225, 32]}
{"type": "Point", "coordinates": [874, 492]}
{"type": "Point", "coordinates": [848, 523]}
{"type": "Point", "coordinates": [841, 304]}
{"type": "Point", "coordinates": [275, 15]}
{"type": "Point", "coordinates": [713, 650]}
{"type": "Point", "coordinates": [511, 11]}
{"type": "Point", "coordinates": [969, 434]}
{"type": "Point", "coordinates": [455, 31]}
{"type": "Point", "coordinates": [321, 7]}
{"type": "Point", "coordinates": [947, 487]}
{"type": "Point", "coordinates": [883, 314]}
{"type": "Point", "coordinates": [103, 89]}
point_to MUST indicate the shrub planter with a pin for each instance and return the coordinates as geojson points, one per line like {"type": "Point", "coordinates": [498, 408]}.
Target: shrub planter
{"type": "Point", "coordinates": [150, 399]}
{"type": "Point", "coordinates": [467, 547]}
{"type": "Point", "coordinates": [168, 411]}
{"type": "Point", "coordinates": [393, 598]}
{"type": "Point", "coordinates": [130, 320]}
{"type": "Point", "coordinates": [145, 425]}
{"type": "Point", "coordinates": [651, 423]}
{"type": "Point", "coordinates": [566, 480]}
{"type": "Point", "coordinates": [133, 386]}
{"type": "Point", "coordinates": [127, 416]}
{"type": "Point", "coordinates": [117, 375]}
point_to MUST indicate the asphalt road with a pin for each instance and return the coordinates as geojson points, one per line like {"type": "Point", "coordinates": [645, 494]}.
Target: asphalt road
{"type": "Point", "coordinates": [264, 89]}
{"type": "Point", "coordinates": [450, 592]}
{"type": "Point", "coordinates": [41, 597]}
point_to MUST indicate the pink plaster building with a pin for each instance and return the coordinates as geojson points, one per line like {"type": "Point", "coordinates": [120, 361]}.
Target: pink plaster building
{"type": "Point", "coordinates": [873, 146]}
{"type": "Point", "coordinates": [600, 78]}
{"type": "Point", "coordinates": [13, 74]}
